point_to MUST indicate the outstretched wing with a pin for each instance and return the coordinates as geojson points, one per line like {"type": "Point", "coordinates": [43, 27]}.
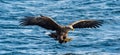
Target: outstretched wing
{"type": "Point", "coordinates": [42, 21]}
{"type": "Point", "coordinates": [87, 24]}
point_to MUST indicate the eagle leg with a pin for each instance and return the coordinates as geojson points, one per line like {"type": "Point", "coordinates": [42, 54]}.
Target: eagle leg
{"type": "Point", "coordinates": [60, 39]}
{"type": "Point", "coordinates": [63, 39]}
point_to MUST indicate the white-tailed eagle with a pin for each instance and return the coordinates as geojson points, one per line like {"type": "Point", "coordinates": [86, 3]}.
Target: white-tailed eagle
{"type": "Point", "coordinates": [61, 32]}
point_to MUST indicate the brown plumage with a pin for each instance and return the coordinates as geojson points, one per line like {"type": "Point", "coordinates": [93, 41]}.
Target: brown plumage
{"type": "Point", "coordinates": [61, 31]}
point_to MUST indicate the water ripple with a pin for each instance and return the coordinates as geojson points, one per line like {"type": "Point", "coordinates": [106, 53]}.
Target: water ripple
{"type": "Point", "coordinates": [33, 40]}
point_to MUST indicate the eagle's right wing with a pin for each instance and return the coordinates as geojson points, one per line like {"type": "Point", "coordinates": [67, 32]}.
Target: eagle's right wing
{"type": "Point", "coordinates": [42, 21]}
{"type": "Point", "coordinates": [87, 24]}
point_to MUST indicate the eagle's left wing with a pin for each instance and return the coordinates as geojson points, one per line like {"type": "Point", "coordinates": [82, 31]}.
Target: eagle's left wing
{"type": "Point", "coordinates": [87, 24]}
{"type": "Point", "coordinates": [43, 21]}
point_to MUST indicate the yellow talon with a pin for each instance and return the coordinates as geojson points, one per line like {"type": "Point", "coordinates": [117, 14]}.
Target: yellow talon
{"type": "Point", "coordinates": [67, 40]}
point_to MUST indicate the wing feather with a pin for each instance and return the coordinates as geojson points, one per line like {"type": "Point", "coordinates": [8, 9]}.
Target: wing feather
{"type": "Point", "coordinates": [87, 24]}
{"type": "Point", "coordinates": [43, 21]}
{"type": "Point", "coordinates": [28, 21]}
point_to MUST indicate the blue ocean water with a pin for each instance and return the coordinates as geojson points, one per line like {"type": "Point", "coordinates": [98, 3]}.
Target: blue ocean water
{"type": "Point", "coordinates": [33, 40]}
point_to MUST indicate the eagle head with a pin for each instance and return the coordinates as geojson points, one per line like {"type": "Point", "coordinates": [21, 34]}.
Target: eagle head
{"type": "Point", "coordinates": [69, 28]}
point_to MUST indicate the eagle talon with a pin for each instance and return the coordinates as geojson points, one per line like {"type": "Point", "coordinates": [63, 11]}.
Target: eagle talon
{"type": "Point", "coordinates": [67, 40]}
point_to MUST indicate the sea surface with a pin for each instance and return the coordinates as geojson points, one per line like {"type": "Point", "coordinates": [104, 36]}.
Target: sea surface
{"type": "Point", "coordinates": [34, 40]}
